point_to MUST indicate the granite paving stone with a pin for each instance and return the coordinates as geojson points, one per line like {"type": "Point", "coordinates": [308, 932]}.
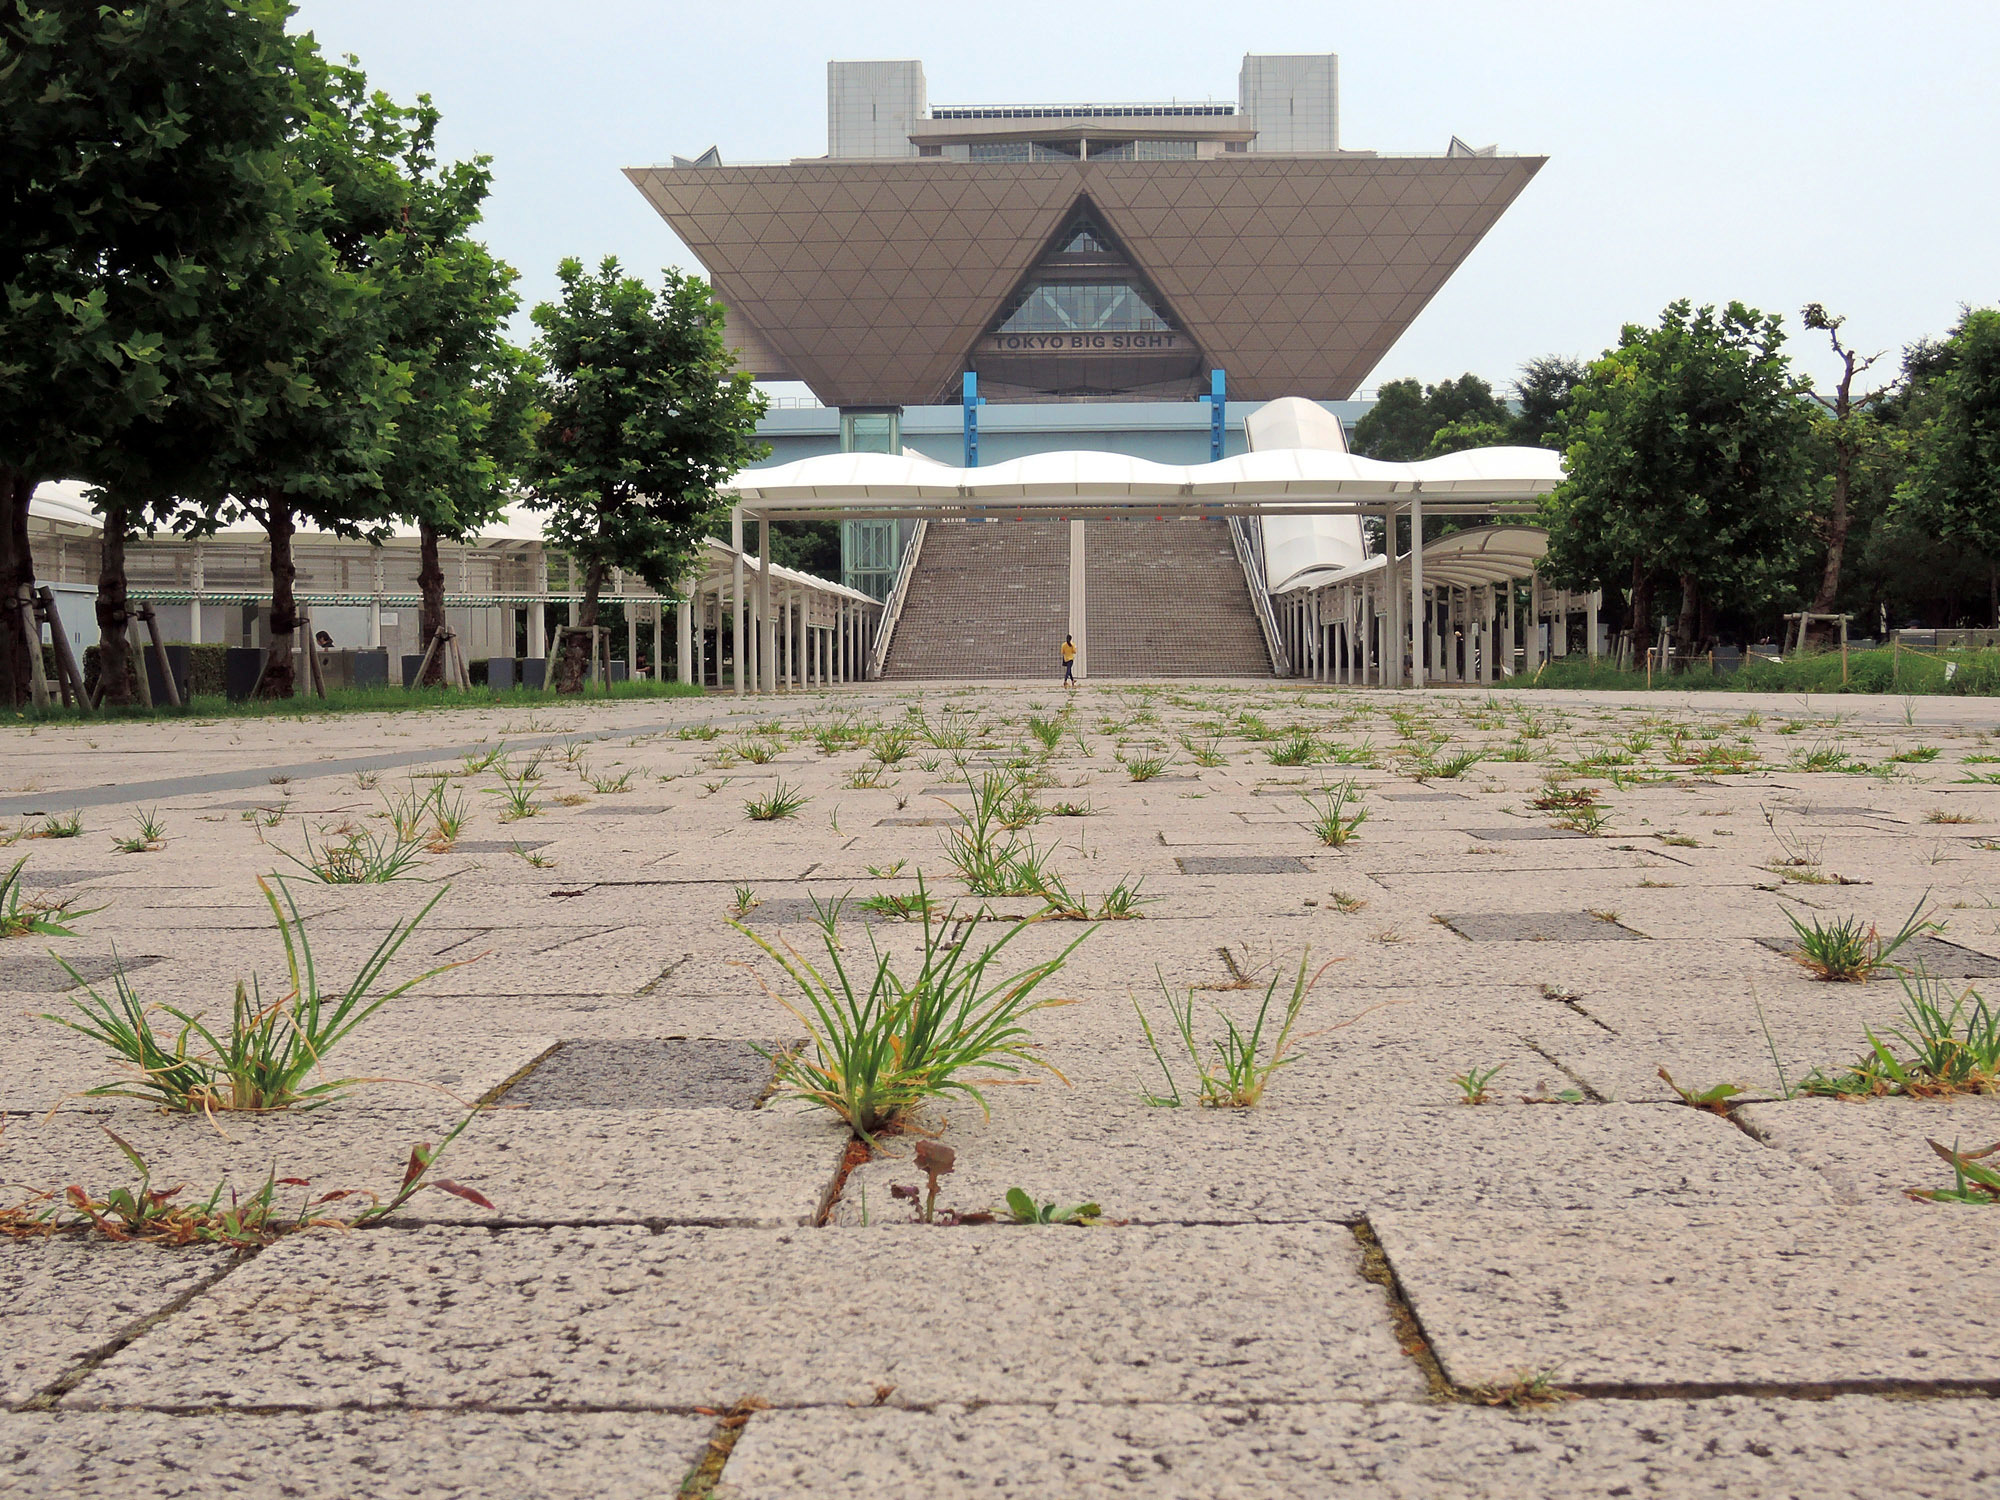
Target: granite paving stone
{"type": "Point", "coordinates": [1848, 1448]}
{"type": "Point", "coordinates": [335, 1455]}
{"type": "Point", "coordinates": [454, 1317]}
{"type": "Point", "coordinates": [62, 1298]}
{"type": "Point", "coordinates": [1786, 1294]}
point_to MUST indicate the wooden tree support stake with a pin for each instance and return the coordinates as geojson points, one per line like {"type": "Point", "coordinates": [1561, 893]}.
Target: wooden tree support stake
{"type": "Point", "coordinates": [66, 668]}
{"type": "Point", "coordinates": [159, 648]}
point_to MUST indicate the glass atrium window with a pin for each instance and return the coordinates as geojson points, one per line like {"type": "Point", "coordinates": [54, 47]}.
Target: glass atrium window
{"type": "Point", "coordinates": [1071, 307]}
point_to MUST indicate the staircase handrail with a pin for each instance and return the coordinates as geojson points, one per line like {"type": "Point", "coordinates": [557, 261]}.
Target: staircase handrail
{"type": "Point", "coordinates": [892, 607]}
{"type": "Point", "coordinates": [1260, 595]}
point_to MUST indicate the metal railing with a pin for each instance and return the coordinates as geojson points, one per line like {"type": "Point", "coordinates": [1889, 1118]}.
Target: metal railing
{"type": "Point", "coordinates": [1260, 594]}
{"type": "Point", "coordinates": [892, 607]}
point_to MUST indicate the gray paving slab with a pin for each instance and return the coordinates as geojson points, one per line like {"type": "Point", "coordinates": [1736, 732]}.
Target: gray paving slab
{"type": "Point", "coordinates": [649, 1073]}
{"type": "Point", "coordinates": [1788, 1294]}
{"type": "Point", "coordinates": [63, 1298]}
{"type": "Point", "coordinates": [540, 1318]}
{"type": "Point", "coordinates": [335, 1455]}
{"type": "Point", "coordinates": [1848, 1448]}
{"type": "Point", "coordinates": [1242, 864]}
{"type": "Point", "coordinates": [1538, 927]}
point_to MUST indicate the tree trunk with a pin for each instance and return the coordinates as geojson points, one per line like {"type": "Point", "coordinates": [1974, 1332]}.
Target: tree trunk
{"type": "Point", "coordinates": [277, 680]}
{"type": "Point", "coordinates": [1690, 614]}
{"type": "Point", "coordinates": [114, 619]}
{"type": "Point", "coordinates": [17, 568]}
{"type": "Point", "coordinates": [573, 661]}
{"type": "Point", "coordinates": [1638, 624]}
{"type": "Point", "coordinates": [430, 612]}
{"type": "Point", "coordinates": [1836, 528]}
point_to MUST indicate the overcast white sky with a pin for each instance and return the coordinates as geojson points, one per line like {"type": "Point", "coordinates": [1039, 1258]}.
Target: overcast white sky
{"type": "Point", "coordinates": [1775, 151]}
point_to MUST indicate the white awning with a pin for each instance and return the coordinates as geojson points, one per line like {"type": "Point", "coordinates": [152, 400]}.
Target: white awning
{"type": "Point", "coordinates": [1297, 480]}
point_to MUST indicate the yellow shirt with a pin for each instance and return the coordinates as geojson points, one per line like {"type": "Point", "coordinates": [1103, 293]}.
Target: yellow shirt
{"type": "Point", "coordinates": [1069, 651]}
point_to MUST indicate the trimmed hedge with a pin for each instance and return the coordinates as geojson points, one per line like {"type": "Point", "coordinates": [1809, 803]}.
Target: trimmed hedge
{"type": "Point", "coordinates": [205, 666]}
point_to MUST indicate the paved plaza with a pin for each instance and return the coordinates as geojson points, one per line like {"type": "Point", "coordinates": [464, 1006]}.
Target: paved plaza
{"type": "Point", "coordinates": [1364, 1285]}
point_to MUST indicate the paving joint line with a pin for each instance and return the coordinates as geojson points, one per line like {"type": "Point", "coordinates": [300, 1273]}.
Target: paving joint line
{"type": "Point", "coordinates": [46, 1398]}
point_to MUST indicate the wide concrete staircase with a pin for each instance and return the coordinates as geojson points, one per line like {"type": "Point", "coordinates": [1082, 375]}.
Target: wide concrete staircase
{"type": "Point", "coordinates": [988, 599]}
{"type": "Point", "coordinates": [1168, 599]}
{"type": "Point", "coordinates": [1163, 598]}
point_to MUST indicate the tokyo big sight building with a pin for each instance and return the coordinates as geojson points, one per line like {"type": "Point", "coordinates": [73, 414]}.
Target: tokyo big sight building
{"type": "Point", "coordinates": [1114, 252]}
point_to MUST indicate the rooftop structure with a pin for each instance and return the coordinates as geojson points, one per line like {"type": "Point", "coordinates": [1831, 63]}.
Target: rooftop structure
{"type": "Point", "coordinates": [1080, 251]}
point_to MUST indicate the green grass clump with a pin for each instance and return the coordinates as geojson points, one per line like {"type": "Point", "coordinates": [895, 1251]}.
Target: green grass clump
{"type": "Point", "coordinates": [33, 917]}
{"type": "Point", "coordinates": [1849, 950]}
{"type": "Point", "coordinates": [781, 801]}
{"type": "Point", "coordinates": [1950, 1044]}
{"type": "Point", "coordinates": [268, 1056]}
{"type": "Point", "coordinates": [1241, 1061]}
{"type": "Point", "coordinates": [880, 1044]}
{"type": "Point", "coordinates": [1332, 823]}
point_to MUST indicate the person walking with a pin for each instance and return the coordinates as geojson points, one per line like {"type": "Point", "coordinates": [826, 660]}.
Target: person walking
{"type": "Point", "coordinates": [1069, 661]}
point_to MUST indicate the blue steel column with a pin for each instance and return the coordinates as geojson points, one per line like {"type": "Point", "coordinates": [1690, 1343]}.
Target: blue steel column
{"type": "Point", "coordinates": [1217, 398]}
{"type": "Point", "coordinates": [973, 401]}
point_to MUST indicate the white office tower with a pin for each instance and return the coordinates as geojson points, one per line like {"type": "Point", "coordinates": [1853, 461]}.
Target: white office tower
{"type": "Point", "coordinates": [1293, 101]}
{"type": "Point", "coordinates": [871, 108]}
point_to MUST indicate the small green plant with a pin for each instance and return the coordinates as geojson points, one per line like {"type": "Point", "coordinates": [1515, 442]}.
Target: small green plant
{"type": "Point", "coordinates": [1951, 1043]}
{"type": "Point", "coordinates": [1048, 731]}
{"type": "Point", "coordinates": [1204, 752]}
{"type": "Point", "coordinates": [781, 801]}
{"type": "Point", "coordinates": [407, 810]}
{"type": "Point", "coordinates": [519, 796]}
{"type": "Point", "coordinates": [360, 858]}
{"type": "Point", "coordinates": [746, 900]}
{"type": "Point", "coordinates": [478, 761]}
{"type": "Point", "coordinates": [1429, 768]}
{"type": "Point", "coordinates": [1939, 815]}
{"type": "Point", "coordinates": [1848, 951]}
{"type": "Point", "coordinates": [880, 1045]}
{"type": "Point", "coordinates": [890, 746]}
{"type": "Point", "coordinates": [535, 859]}
{"type": "Point", "coordinates": [866, 779]}
{"type": "Point", "coordinates": [269, 1055]}
{"type": "Point", "coordinates": [150, 834]}
{"type": "Point", "coordinates": [1120, 904]}
{"type": "Point", "coordinates": [1588, 821]}
{"type": "Point", "coordinates": [1531, 1388]}
{"type": "Point", "coordinates": [1069, 809]}
{"type": "Point", "coordinates": [906, 906]}
{"type": "Point", "coordinates": [1916, 755]}
{"type": "Point", "coordinates": [703, 732]}
{"type": "Point", "coordinates": [757, 752]}
{"type": "Point", "coordinates": [1332, 823]}
{"type": "Point", "coordinates": [1715, 1098]}
{"type": "Point", "coordinates": [1297, 749]}
{"type": "Point", "coordinates": [1022, 1209]}
{"type": "Point", "coordinates": [1146, 767]}
{"type": "Point", "coordinates": [35, 917]}
{"type": "Point", "coordinates": [605, 786]}
{"type": "Point", "coordinates": [1473, 1083]}
{"type": "Point", "coordinates": [68, 826]}
{"type": "Point", "coordinates": [887, 872]}
{"type": "Point", "coordinates": [1347, 904]}
{"type": "Point", "coordinates": [1974, 1182]}
{"type": "Point", "coordinates": [448, 819]}
{"type": "Point", "coordinates": [1242, 1063]}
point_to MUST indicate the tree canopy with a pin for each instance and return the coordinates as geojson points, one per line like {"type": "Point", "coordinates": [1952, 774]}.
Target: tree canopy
{"type": "Point", "coordinates": [647, 415]}
{"type": "Point", "coordinates": [1687, 462]}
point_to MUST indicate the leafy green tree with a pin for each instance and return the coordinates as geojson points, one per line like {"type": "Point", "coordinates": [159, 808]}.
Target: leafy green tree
{"type": "Point", "coordinates": [140, 167]}
{"type": "Point", "coordinates": [1542, 393]}
{"type": "Point", "coordinates": [1688, 462]}
{"type": "Point", "coordinates": [1953, 489]}
{"type": "Point", "coordinates": [1467, 432]}
{"type": "Point", "coordinates": [325, 403]}
{"type": "Point", "coordinates": [466, 431]}
{"type": "Point", "coordinates": [646, 417]}
{"type": "Point", "coordinates": [1407, 415]}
